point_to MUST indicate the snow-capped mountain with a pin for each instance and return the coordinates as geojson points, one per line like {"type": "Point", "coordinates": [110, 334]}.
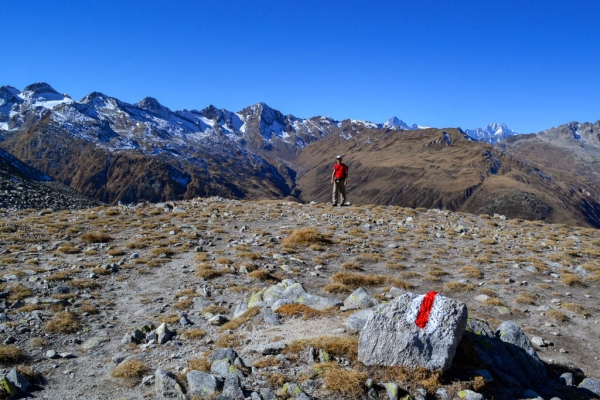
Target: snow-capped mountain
{"type": "Point", "coordinates": [258, 140]}
{"type": "Point", "coordinates": [492, 133]}
{"type": "Point", "coordinates": [396, 122]}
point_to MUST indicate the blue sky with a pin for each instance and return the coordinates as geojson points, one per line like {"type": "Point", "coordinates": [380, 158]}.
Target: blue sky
{"type": "Point", "coordinates": [530, 64]}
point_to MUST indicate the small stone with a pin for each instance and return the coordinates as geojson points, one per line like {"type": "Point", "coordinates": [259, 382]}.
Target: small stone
{"type": "Point", "coordinates": [51, 354]}
{"type": "Point", "coordinates": [566, 379]}
{"type": "Point", "coordinates": [538, 341]}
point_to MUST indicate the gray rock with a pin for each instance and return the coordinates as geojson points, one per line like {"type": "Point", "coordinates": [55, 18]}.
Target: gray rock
{"type": "Point", "coordinates": [357, 321]}
{"type": "Point", "coordinates": [268, 394]}
{"type": "Point", "coordinates": [538, 341]}
{"type": "Point", "coordinates": [94, 342]}
{"type": "Point", "coordinates": [395, 292]}
{"type": "Point", "coordinates": [51, 354]}
{"type": "Point", "coordinates": [521, 349]}
{"type": "Point", "coordinates": [202, 384]}
{"type": "Point", "coordinates": [163, 333]}
{"type": "Point", "coordinates": [218, 320]}
{"type": "Point", "coordinates": [63, 289]}
{"type": "Point", "coordinates": [390, 336]}
{"type": "Point", "coordinates": [270, 317]}
{"type": "Point", "coordinates": [288, 291]}
{"type": "Point", "coordinates": [360, 299]}
{"type": "Point", "coordinates": [481, 298]}
{"type": "Point", "coordinates": [393, 390]}
{"type": "Point", "coordinates": [18, 380]}
{"type": "Point", "coordinates": [271, 348]}
{"type": "Point", "coordinates": [201, 302]}
{"type": "Point", "coordinates": [240, 308]}
{"type": "Point", "coordinates": [224, 368]}
{"type": "Point", "coordinates": [592, 385]}
{"type": "Point", "coordinates": [222, 354]}
{"type": "Point", "coordinates": [166, 385]}
{"type": "Point", "coordinates": [470, 395]}
{"type": "Point", "coordinates": [232, 389]}
{"type": "Point", "coordinates": [566, 379]}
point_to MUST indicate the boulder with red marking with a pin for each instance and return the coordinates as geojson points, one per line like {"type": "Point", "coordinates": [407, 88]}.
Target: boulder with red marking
{"type": "Point", "coordinates": [413, 331]}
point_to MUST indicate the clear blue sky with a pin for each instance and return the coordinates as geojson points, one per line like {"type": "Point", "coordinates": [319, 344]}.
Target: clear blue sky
{"type": "Point", "coordinates": [531, 64]}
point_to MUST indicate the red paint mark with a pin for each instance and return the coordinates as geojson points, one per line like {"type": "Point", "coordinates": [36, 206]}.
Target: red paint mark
{"type": "Point", "coordinates": [425, 310]}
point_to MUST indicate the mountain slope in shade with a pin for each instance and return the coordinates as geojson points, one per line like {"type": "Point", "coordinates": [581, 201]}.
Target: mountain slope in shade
{"type": "Point", "coordinates": [442, 169]}
{"type": "Point", "coordinates": [24, 187]}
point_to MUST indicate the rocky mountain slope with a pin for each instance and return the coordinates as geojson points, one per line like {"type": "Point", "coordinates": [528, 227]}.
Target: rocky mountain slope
{"type": "Point", "coordinates": [443, 169]}
{"type": "Point", "coordinates": [24, 187]}
{"type": "Point", "coordinates": [154, 301]}
{"type": "Point", "coordinates": [114, 151]}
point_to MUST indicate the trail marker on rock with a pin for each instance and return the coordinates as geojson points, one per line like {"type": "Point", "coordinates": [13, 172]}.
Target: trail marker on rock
{"type": "Point", "coordinates": [413, 331]}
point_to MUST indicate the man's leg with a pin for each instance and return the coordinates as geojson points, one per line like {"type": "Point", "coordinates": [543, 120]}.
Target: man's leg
{"type": "Point", "coordinates": [342, 193]}
{"type": "Point", "coordinates": [334, 194]}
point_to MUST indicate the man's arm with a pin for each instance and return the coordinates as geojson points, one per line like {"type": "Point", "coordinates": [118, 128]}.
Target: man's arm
{"type": "Point", "coordinates": [346, 180]}
{"type": "Point", "coordinates": [332, 175]}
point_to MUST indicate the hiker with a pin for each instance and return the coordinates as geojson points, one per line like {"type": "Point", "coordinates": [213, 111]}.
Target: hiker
{"type": "Point", "coordinates": [339, 179]}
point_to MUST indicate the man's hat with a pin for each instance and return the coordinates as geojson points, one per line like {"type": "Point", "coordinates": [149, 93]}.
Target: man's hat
{"type": "Point", "coordinates": [339, 157]}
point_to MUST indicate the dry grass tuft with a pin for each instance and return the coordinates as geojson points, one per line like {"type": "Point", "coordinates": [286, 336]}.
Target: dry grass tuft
{"type": "Point", "coordinates": [230, 340]}
{"type": "Point", "coordinates": [459, 286]}
{"type": "Point", "coordinates": [337, 288]}
{"type": "Point", "coordinates": [347, 383]}
{"type": "Point", "coordinates": [63, 322]}
{"type": "Point", "coordinates": [199, 364]}
{"type": "Point", "coordinates": [194, 333]}
{"type": "Point", "coordinates": [18, 292]}
{"type": "Point", "coordinates": [471, 272]}
{"type": "Point", "coordinates": [132, 371]}
{"type": "Point", "coordinates": [205, 271]}
{"type": "Point", "coordinates": [96, 237]}
{"type": "Point", "coordinates": [571, 280]}
{"type": "Point", "coordinates": [351, 265]}
{"type": "Point", "coordinates": [525, 298]}
{"type": "Point", "coordinates": [356, 280]}
{"type": "Point", "coordinates": [264, 275]}
{"type": "Point", "coordinates": [84, 284]}
{"type": "Point", "coordinates": [306, 237]}
{"type": "Point", "coordinates": [576, 308]}
{"type": "Point", "coordinates": [183, 304]}
{"type": "Point", "coordinates": [68, 249]}
{"type": "Point", "coordinates": [10, 354]}
{"type": "Point", "coordinates": [300, 310]}
{"type": "Point", "coordinates": [337, 346]}
{"type": "Point", "coordinates": [557, 316]}
{"type": "Point", "coordinates": [241, 320]}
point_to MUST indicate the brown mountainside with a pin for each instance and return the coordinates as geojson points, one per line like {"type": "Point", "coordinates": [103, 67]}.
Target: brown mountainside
{"type": "Point", "coordinates": [133, 175]}
{"type": "Point", "coordinates": [443, 169]}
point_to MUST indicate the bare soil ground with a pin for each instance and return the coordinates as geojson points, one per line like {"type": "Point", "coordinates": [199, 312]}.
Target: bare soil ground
{"type": "Point", "coordinates": [544, 277]}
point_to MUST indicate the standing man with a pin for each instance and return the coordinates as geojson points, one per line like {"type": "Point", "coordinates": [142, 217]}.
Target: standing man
{"type": "Point", "coordinates": [339, 179]}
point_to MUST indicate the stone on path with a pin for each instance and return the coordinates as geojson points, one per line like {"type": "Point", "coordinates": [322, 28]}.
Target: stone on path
{"type": "Point", "coordinates": [166, 385]}
{"type": "Point", "coordinates": [413, 331]}
{"type": "Point", "coordinates": [359, 299]}
{"type": "Point", "coordinates": [592, 385]}
{"type": "Point", "coordinates": [18, 380]}
{"type": "Point", "coordinates": [202, 384]}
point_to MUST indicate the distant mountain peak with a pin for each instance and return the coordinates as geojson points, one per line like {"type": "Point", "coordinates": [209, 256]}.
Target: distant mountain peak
{"type": "Point", "coordinates": [39, 88]}
{"type": "Point", "coordinates": [396, 122]}
{"type": "Point", "coordinates": [492, 133]}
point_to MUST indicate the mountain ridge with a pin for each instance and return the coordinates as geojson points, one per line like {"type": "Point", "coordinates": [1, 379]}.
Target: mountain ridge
{"type": "Point", "coordinates": [116, 151]}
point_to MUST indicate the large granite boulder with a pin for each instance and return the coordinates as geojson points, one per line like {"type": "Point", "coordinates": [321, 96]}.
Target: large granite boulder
{"type": "Point", "coordinates": [413, 331]}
